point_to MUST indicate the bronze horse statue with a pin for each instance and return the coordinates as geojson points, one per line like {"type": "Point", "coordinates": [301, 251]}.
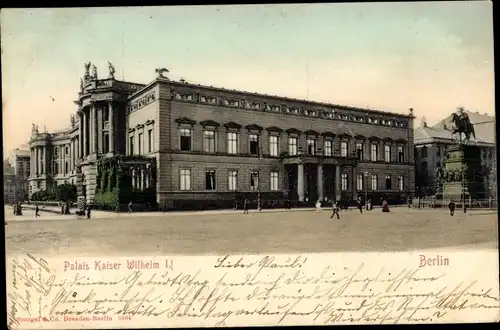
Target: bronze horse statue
{"type": "Point", "coordinates": [463, 125]}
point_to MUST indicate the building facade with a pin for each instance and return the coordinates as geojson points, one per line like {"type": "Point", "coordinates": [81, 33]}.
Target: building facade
{"type": "Point", "coordinates": [214, 144]}
{"type": "Point", "coordinates": [16, 175]}
{"type": "Point", "coordinates": [431, 143]}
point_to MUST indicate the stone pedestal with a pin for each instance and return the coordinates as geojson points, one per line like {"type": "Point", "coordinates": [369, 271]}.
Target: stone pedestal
{"type": "Point", "coordinates": [463, 175]}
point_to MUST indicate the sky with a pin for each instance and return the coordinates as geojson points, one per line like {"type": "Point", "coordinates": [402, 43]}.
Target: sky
{"type": "Point", "coordinates": [430, 56]}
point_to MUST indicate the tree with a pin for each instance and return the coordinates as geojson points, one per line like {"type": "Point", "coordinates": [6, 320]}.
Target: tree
{"type": "Point", "coordinates": [65, 192]}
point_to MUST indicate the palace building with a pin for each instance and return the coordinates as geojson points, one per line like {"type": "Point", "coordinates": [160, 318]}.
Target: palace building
{"type": "Point", "coordinates": [213, 145]}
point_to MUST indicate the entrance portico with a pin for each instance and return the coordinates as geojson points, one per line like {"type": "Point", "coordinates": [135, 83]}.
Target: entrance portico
{"type": "Point", "coordinates": [312, 178]}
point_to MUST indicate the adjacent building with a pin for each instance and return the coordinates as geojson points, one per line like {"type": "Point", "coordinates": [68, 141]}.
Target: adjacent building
{"type": "Point", "coordinates": [16, 175]}
{"type": "Point", "coordinates": [215, 144]}
{"type": "Point", "coordinates": [431, 142]}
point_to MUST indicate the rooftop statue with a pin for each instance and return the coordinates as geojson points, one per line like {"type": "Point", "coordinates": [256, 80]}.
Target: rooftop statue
{"type": "Point", "coordinates": [160, 72]}
{"type": "Point", "coordinates": [34, 129]}
{"type": "Point", "coordinates": [94, 72]}
{"type": "Point", "coordinates": [73, 120]}
{"type": "Point", "coordinates": [81, 85]}
{"type": "Point", "coordinates": [87, 69]}
{"type": "Point", "coordinates": [463, 125]}
{"type": "Point", "coordinates": [111, 70]}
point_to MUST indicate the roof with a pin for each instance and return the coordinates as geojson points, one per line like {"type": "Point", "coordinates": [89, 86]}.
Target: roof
{"type": "Point", "coordinates": [484, 128]}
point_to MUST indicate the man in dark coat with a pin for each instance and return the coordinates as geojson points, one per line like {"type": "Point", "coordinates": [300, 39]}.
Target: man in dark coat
{"type": "Point", "coordinates": [451, 206]}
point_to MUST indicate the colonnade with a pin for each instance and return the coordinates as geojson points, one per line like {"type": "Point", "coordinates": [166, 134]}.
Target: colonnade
{"type": "Point", "coordinates": [320, 181]}
{"type": "Point", "coordinates": [141, 177]}
{"type": "Point", "coordinates": [38, 160]}
{"type": "Point", "coordinates": [93, 127]}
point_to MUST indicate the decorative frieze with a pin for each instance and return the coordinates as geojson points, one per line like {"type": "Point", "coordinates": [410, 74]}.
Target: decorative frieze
{"type": "Point", "coordinates": [142, 102]}
{"type": "Point", "coordinates": [333, 113]}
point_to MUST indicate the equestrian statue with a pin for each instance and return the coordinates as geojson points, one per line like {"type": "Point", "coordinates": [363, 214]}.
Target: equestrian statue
{"type": "Point", "coordinates": [463, 125]}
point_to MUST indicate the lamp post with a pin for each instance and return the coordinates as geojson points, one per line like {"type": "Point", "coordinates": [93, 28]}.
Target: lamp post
{"type": "Point", "coordinates": [366, 190]}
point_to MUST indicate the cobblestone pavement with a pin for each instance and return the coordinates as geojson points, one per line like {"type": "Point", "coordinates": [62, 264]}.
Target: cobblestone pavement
{"type": "Point", "coordinates": [224, 232]}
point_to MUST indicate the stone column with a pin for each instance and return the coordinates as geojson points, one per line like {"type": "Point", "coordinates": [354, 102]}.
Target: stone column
{"type": "Point", "coordinates": [99, 130]}
{"type": "Point", "coordinates": [84, 140]}
{"type": "Point", "coordinates": [320, 183]}
{"type": "Point", "coordinates": [111, 132]}
{"type": "Point", "coordinates": [354, 184]}
{"type": "Point", "coordinates": [37, 156]}
{"type": "Point", "coordinates": [337, 183]}
{"type": "Point", "coordinates": [300, 182]}
{"type": "Point", "coordinates": [80, 135]}
{"type": "Point", "coordinates": [44, 162]}
{"type": "Point", "coordinates": [95, 129]}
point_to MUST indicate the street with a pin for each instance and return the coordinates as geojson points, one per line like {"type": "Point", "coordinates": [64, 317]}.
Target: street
{"type": "Point", "coordinates": [225, 232]}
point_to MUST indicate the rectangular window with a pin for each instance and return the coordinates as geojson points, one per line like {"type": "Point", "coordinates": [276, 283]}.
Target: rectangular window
{"type": "Point", "coordinates": [401, 183]}
{"type": "Point", "coordinates": [388, 182]}
{"type": "Point", "coordinates": [344, 181]}
{"type": "Point", "coordinates": [254, 180]}
{"type": "Point", "coordinates": [232, 180]}
{"type": "Point", "coordinates": [185, 139]}
{"type": "Point", "coordinates": [328, 148]}
{"type": "Point", "coordinates": [210, 180]}
{"type": "Point", "coordinates": [139, 144]}
{"type": "Point", "coordinates": [359, 151]}
{"type": "Point", "coordinates": [209, 141]}
{"type": "Point", "coordinates": [131, 145]}
{"type": "Point", "coordinates": [274, 181]}
{"type": "Point", "coordinates": [438, 151]}
{"type": "Point", "coordinates": [374, 182]}
{"type": "Point", "coordinates": [185, 179]}
{"type": "Point", "coordinates": [292, 146]}
{"type": "Point", "coordinates": [387, 153]}
{"type": "Point", "coordinates": [359, 182]}
{"type": "Point", "coordinates": [273, 145]}
{"type": "Point", "coordinates": [374, 153]}
{"type": "Point", "coordinates": [311, 147]}
{"type": "Point", "coordinates": [150, 140]}
{"type": "Point", "coordinates": [254, 144]}
{"type": "Point", "coordinates": [401, 154]}
{"type": "Point", "coordinates": [343, 149]}
{"type": "Point", "coordinates": [232, 143]}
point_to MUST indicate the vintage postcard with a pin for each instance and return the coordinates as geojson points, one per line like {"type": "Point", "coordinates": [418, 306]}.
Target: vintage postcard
{"type": "Point", "coordinates": [280, 164]}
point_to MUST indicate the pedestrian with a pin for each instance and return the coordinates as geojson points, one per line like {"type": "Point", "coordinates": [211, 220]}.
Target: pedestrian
{"type": "Point", "coordinates": [360, 205]}
{"type": "Point", "coordinates": [88, 212]}
{"type": "Point", "coordinates": [408, 201]}
{"type": "Point", "coordinates": [318, 206]}
{"type": "Point", "coordinates": [130, 207]}
{"type": "Point", "coordinates": [235, 204]}
{"type": "Point", "coordinates": [335, 210]}
{"type": "Point", "coordinates": [62, 208]}
{"type": "Point", "coordinates": [37, 210]}
{"type": "Point", "coordinates": [245, 206]}
{"type": "Point", "coordinates": [288, 204]}
{"type": "Point", "coordinates": [451, 206]}
{"type": "Point", "coordinates": [369, 205]}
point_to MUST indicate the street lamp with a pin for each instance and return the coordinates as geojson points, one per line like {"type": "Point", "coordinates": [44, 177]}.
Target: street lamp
{"type": "Point", "coordinates": [366, 190]}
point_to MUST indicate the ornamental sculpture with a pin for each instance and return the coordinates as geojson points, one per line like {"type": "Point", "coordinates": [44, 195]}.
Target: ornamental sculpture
{"type": "Point", "coordinates": [81, 85]}
{"type": "Point", "coordinates": [87, 69]}
{"type": "Point", "coordinates": [462, 125]}
{"type": "Point", "coordinates": [34, 129]}
{"type": "Point", "coordinates": [111, 70]}
{"type": "Point", "coordinates": [73, 120]}
{"type": "Point", "coordinates": [94, 72]}
{"type": "Point", "coordinates": [160, 72]}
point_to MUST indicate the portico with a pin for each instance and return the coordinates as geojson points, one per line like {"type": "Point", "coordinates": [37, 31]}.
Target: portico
{"type": "Point", "coordinates": [312, 178]}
